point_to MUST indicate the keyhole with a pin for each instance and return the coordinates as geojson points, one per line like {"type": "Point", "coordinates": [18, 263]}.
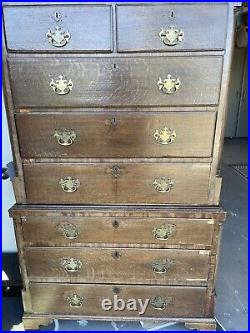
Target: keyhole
{"type": "Point", "coordinates": [115, 224]}
{"type": "Point", "coordinates": [114, 121]}
{"type": "Point", "coordinates": [57, 16]}
{"type": "Point", "coordinates": [171, 15]}
{"type": "Point", "coordinates": [116, 255]}
{"type": "Point", "coordinates": [115, 67]}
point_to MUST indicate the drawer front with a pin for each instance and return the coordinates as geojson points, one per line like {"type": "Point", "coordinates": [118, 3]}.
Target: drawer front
{"type": "Point", "coordinates": [80, 299]}
{"type": "Point", "coordinates": [171, 27]}
{"type": "Point", "coordinates": [144, 183]}
{"type": "Point", "coordinates": [151, 81]}
{"type": "Point", "coordinates": [158, 232]}
{"type": "Point", "coordinates": [117, 265]}
{"type": "Point", "coordinates": [116, 135]}
{"type": "Point", "coordinates": [58, 28]}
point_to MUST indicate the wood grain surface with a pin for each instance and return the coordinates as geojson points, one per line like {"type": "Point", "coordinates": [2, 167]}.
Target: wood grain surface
{"type": "Point", "coordinates": [51, 298]}
{"type": "Point", "coordinates": [115, 81]}
{"type": "Point", "coordinates": [89, 27]}
{"type": "Point", "coordinates": [133, 184]}
{"type": "Point", "coordinates": [116, 134]}
{"type": "Point", "coordinates": [138, 27]}
{"type": "Point", "coordinates": [96, 231]}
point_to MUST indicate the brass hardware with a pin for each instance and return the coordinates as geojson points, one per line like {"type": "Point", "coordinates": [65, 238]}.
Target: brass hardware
{"type": "Point", "coordinates": [164, 232]}
{"type": "Point", "coordinates": [162, 265]}
{"type": "Point", "coordinates": [65, 137]}
{"type": "Point", "coordinates": [69, 184]}
{"type": "Point", "coordinates": [171, 36]}
{"type": "Point", "coordinates": [163, 184]}
{"type": "Point", "coordinates": [169, 85]}
{"type": "Point", "coordinates": [115, 171]}
{"type": "Point", "coordinates": [160, 302]}
{"type": "Point", "coordinates": [115, 224]}
{"type": "Point", "coordinates": [71, 265]}
{"type": "Point", "coordinates": [58, 37]}
{"type": "Point", "coordinates": [75, 300]}
{"type": "Point", "coordinates": [69, 230]}
{"type": "Point", "coordinates": [116, 254]}
{"type": "Point", "coordinates": [165, 136]}
{"type": "Point", "coordinates": [62, 86]}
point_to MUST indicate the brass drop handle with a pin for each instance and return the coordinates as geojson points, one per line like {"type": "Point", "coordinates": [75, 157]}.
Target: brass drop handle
{"type": "Point", "coordinates": [75, 300]}
{"type": "Point", "coordinates": [164, 136]}
{"type": "Point", "coordinates": [69, 230]}
{"type": "Point", "coordinates": [58, 37]}
{"type": "Point", "coordinates": [69, 184]}
{"type": "Point", "coordinates": [160, 302]}
{"type": "Point", "coordinates": [171, 36]}
{"type": "Point", "coordinates": [61, 86]}
{"type": "Point", "coordinates": [169, 85]}
{"type": "Point", "coordinates": [65, 136]}
{"type": "Point", "coordinates": [71, 265]}
{"type": "Point", "coordinates": [162, 266]}
{"type": "Point", "coordinates": [164, 232]}
{"type": "Point", "coordinates": [163, 184]}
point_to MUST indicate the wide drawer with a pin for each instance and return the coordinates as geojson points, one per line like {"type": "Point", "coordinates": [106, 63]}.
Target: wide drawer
{"type": "Point", "coordinates": [144, 183]}
{"type": "Point", "coordinates": [180, 134]}
{"type": "Point", "coordinates": [58, 28]}
{"type": "Point", "coordinates": [118, 265]}
{"type": "Point", "coordinates": [171, 27]}
{"type": "Point", "coordinates": [150, 81]}
{"type": "Point", "coordinates": [88, 300]}
{"type": "Point", "coordinates": [156, 232]}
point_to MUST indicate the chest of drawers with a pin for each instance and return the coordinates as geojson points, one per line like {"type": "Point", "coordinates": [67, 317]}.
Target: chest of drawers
{"type": "Point", "coordinates": [116, 113]}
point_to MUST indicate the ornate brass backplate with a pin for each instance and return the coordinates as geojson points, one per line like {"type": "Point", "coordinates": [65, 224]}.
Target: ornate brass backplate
{"type": "Point", "coordinates": [164, 136]}
{"type": "Point", "coordinates": [71, 264]}
{"type": "Point", "coordinates": [58, 37]}
{"type": "Point", "coordinates": [164, 232]}
{"type": "Point", "coordinates": [62, 86]}
{"type": "Point", "coordinates": [163, 184]}
{"type": "Point", "coordinates": [75, 300]}
{"type": "Point", "coordinates": [169, 85]}
{"type": "Point", "coordinates": [162, 265]}
{"type": "Point", "coordinates": [171, 36]}
{"type": "Point", "coordinates": [160, 302]}
{"type": "Point", "coordinates": [69, 184]}
{"type": "Point", "coordinates": [65, 136]}
{"type": "Point", "coordinates": [69, 230]}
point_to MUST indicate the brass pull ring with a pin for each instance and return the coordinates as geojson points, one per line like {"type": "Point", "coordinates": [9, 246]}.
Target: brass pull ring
{"type": "Point", "coordinates": [171, 36]}
{"type": "Point", "coordinates": [58, 37]}
{"type": "Point", "coordinates": [65, 137]}
{"type": "Point", "coordinates": [69, 184]}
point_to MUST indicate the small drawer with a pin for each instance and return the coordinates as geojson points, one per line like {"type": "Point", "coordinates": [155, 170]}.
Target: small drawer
{"type": "Point", "coordinates": [151, 232]}
{"type": "Point", "coordinates": [118, 265]}
{"type": "Point", "coordinates": [100, 183]}
{"type": "Point", "coordinates": [118, 82]}
{"type": "Point", "coordinates": [58, 28]}
{"type": "Point", "coordinates": [173, 134]}
{"type": "Point", "coordinates": [87, 300]}
{"type": "Point", "coordinates": [171, 27]}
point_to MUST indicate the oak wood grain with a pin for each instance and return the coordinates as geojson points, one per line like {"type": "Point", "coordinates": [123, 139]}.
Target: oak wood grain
{"type": "Point", "coordinates": [138, 27]}
{"type": "Point", "coordinates": [89, 27]}
{"type": "Point", "coordinates": [116, 135]}
{"type": "Point", "coordinates": [115, 81]}
{"type": "Point", "coordinates": [52, 299]}
{"type": "Point", "coordinates": [97, 231]}
{"type": "Point", "coordinates": [132, 184]}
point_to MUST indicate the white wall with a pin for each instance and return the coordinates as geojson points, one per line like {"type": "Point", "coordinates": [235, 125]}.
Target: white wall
{"type": "Point", "coordinates": [8, 199]}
